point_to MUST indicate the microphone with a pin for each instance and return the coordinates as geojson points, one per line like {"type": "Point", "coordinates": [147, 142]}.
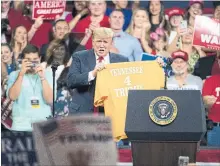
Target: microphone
{"type": "Point", "coordinates": [168, 64]}
{"type": "Point", "coordinates": [54, 67]}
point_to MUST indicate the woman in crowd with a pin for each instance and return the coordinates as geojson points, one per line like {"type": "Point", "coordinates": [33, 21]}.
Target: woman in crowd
{"type": "Point", "coordinates": [140, 28]}
{"type": "Point", "coordinates": [19, 40]}
{"type": "Point", "coordinates": [159, 43]}
{"type": "Point", "coordinates": [58, 52]}
{"type": "Point", "coordinates": [79, 12]}
{"type": "Point", "coordinates": [157, 15]}
{"type": "Point", "coordinates": [194, 52]}
{"type": "Point", "coordinates": [8, 64]}
{"type": "Point", "coordinates": [195, 8]}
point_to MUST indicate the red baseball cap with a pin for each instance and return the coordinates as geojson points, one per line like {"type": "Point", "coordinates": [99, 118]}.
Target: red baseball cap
{"type": "Point", "coordinates": [201, 2]}
{"type": "Point", "coordinates": [180, 54]}
{"type": "Point", "coordinates": [175, 11]}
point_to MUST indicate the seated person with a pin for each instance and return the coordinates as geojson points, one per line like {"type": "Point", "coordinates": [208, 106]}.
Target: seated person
{"type": "Point", "coordinates": [31, 90]}
{"type": "Point", "coordinates": [211, 96]}
{"type": "Point", "coordinates": [182, 79]}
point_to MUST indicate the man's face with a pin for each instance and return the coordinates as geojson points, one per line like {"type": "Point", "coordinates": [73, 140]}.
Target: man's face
{"type": "Point", "coordinates": [179, 66]}
{"type": "Point", "coordinates": [116, 20]}
{"type": "Point", "coordinates": [102, 46]}
{"type": "Point", "coordinates": [61, 29]}
{"type": "Point", "coordinates": [80, 5]}
{"type": "Point", "coordinates": [32, 57]}
{"type": "Point", "coordinates": [97, 8]}
{"type": "Point", "coordinates": [5, 5]}
{"type": "Point", "coordinates": [217, 12]}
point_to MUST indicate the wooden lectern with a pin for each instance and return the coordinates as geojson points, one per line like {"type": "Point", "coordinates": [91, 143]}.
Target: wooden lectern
{"type": "Point", "coordinates": [156, 144]}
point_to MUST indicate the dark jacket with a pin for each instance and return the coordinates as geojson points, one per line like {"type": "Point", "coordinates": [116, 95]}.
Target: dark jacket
{"type": "Point", "coordinates": [83, 91]}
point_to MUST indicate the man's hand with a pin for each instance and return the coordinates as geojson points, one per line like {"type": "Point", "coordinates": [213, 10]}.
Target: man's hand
{"type": "Point", "coordinates": [98, 67]}
{"type": "Point", "coordinates": [93, 26]}
{"type": "Point", "coordinates": [39, 70]}
{"type": "Point", "coordinates": [79, 158]}
{"type": "Point", "coordinates": [26, 65]}
{"type": "Point", "coordinates": [209, 100]}
{"type": "Point", "coordinates": [160, 61]}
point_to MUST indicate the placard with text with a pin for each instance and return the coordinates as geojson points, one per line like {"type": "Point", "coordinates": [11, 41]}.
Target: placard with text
{"type": "Point", "coordinates": [207, 32]}
{"type": "Point", "coordinates": [48, 8]}
{"type": "Point", "coordinates": [78, 140]}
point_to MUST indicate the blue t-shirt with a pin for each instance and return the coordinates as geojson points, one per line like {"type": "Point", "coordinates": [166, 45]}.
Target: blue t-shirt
{"type": "Point", "coordinates": [23, 114]}
{"type": "Point", "coordinates": [127, 15]}
{"type": "Point", "coordinates": [11, 68]}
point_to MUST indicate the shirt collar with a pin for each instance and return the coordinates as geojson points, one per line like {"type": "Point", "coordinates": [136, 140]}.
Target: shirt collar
{"type": "Point", "coordinates": [105, 57]}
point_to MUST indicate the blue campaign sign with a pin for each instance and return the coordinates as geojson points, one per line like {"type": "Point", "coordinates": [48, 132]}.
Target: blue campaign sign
{"type": "Point", "coordinates": [18, 149]}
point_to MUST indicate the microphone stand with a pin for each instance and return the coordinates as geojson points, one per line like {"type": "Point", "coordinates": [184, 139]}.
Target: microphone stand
{"type": "Point", "coordinates": [54, 67]}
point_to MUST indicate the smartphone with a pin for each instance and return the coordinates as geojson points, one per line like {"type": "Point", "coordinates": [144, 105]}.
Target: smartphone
{"type": "Point", "coordinates": [183, 161]}
{"type": "Point", "coordinates": [183, 27]}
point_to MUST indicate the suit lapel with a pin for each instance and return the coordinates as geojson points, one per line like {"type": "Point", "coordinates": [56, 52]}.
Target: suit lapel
{"type": "Point", "coordinates": [91, 60]}
{"type": "Point", "coordinates": [113, 59]}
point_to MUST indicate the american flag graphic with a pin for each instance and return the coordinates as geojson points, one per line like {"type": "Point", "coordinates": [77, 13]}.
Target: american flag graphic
{"type": "Point", "coordinates": [55, 128]}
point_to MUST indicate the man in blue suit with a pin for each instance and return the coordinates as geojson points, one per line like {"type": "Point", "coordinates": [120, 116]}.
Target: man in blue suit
{"type": "Point", "coordinates": [85, 66]}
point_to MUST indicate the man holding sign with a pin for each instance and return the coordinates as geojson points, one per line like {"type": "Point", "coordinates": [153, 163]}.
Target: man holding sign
{"type": "Point", "coordinates": [85, 66]}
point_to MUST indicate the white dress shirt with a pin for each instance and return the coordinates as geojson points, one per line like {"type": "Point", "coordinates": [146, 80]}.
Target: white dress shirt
{"type": "Point", "coordinates": [105, 61]}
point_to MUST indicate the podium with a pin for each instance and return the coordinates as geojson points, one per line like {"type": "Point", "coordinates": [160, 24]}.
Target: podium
{"type": "Point", "coordinates": [163, 125]}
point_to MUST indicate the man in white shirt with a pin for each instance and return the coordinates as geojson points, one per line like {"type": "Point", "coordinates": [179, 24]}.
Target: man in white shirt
{"type": "Point", "coordinates": [182, 79]}
{"type": "Point", "coordinates": [85, 66]}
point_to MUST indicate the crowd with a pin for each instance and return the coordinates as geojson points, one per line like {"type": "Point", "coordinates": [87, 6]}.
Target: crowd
{"type": "Point", "coordinates": [83, 40]}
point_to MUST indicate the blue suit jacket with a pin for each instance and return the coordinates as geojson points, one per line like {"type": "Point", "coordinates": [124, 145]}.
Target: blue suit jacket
{"type": "Point", "coordinates": [83, 91]}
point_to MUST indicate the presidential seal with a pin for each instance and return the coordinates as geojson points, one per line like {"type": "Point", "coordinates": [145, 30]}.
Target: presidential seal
{"type": "Point", "coordinates": [163, 110]}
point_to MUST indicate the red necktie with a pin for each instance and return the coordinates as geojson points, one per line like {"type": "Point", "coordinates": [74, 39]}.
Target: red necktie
{"type": "Point", "coordinates": [100, 59]}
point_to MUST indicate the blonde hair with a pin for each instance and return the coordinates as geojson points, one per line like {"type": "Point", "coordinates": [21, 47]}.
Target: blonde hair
{"type": "Point", "coordinates": [130, 28]}
{"type": "Point", "coordinates": [102, 32]}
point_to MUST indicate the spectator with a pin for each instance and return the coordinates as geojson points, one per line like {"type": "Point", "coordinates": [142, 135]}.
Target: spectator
{"type": "Point", "coordinates": [85, 66]}
{"type": "Point", "coordinates": [36, 28]}
{"type": "Point", "coordinates": [79, 12]}
{"type": "Point", "coordinates": [195, 8]}
{"type": "Point", "coordinates": [140, 27]}
{"type": "Point", "coordinates": [156, 15]}
{"type": "Point", "coordinates": [159, 43]}
{"type": "Point", "coordinates": [58, 52]}
{"type": "Point", "coordinates": [19, 40]}
{"type": "Point", "coordinates": [7, 65]}
{"type": "Point", "coordinates": [217, 9]}
{"type": "Point", "coordinates": [194, 52]}
{"type": "Point", "coordinates": [211, 96]}
{"type": "Point", "coordinates": [95, 20]}
{"type": "Point", "coordinates": [11, 18]}
{"type": "Point", "coordinates": [123, 6]}
{"type": "Point", "coordinates": [61, 31]}
{"type": "Point", "coordinates": [182, 79]}
{"type": "Point", "coordinates": [31, 90]}
{"type": "Point", "coordinates": [133, 48]}
{"type": "Point", "coordinates": [175, 16]}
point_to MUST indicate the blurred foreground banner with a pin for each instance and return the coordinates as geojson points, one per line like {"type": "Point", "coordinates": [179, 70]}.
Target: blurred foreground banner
{"type": "Point", "coordinates": [207, 32]}
{"type": "Point", "coordinates": [17, 149]}
{"type": "Point", "coordinates": [48, 8]}
{"type": "Point", "coordinates": [79, 140]}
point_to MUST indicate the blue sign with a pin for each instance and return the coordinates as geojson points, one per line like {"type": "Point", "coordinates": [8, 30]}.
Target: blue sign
{"type": "Point", "coordinates": [18, 149]}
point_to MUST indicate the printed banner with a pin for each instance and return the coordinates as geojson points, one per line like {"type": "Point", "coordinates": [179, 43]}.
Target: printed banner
{"type": "Point", "coordinates": [207, 32]}
{"type": "Point", "coordinates": [48, 8]}
{"type": "Point", "coordinates": [18, 149]}
{"type": "Point", "coordinates": [78, 140]}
